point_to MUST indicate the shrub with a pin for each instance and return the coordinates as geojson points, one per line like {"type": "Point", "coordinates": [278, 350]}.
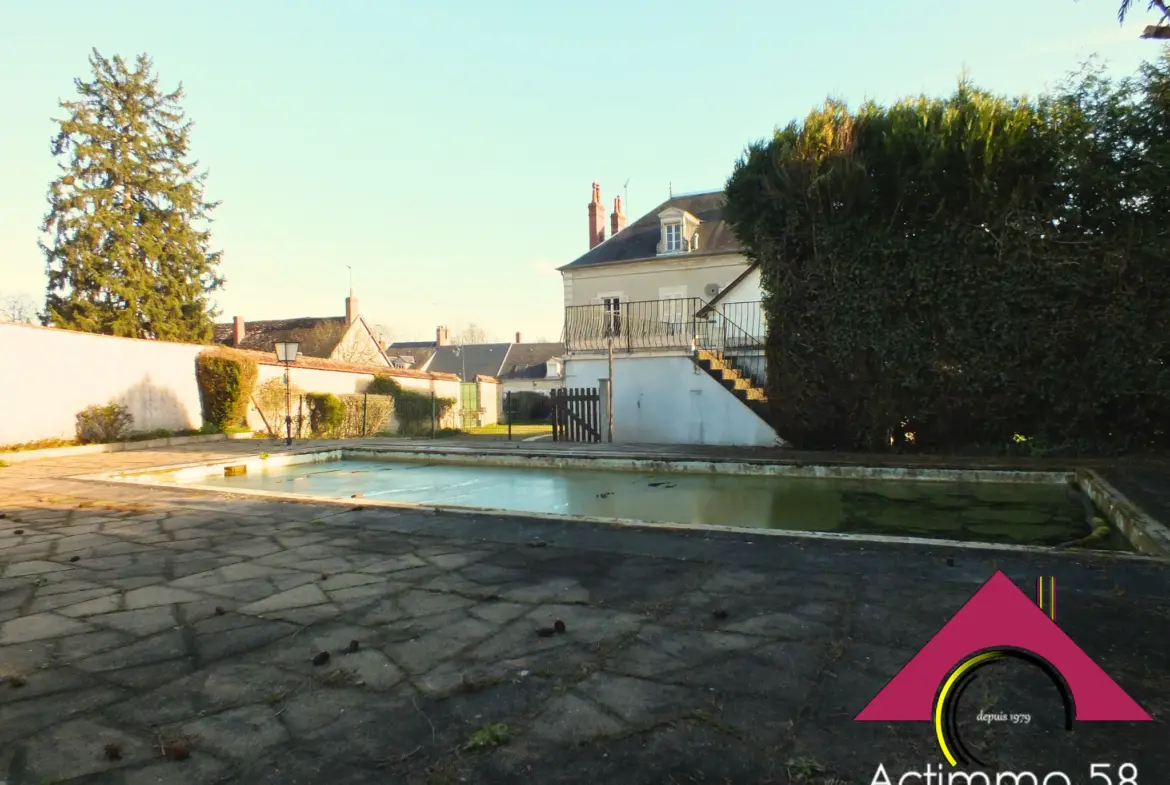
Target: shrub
{"type": "Point", "coordinates": [530, 406]}
{"type": "Point", "coordinates": [365, 414]}
{"type": "Point", "coordinates": [271, 400]}
{"type": "Point", "coordinates": [414, 411]}
{"type": "Point", "coordinates": [384, 385]}
{"type": "Point", "coordinates": [326, 414]}
{"type": "Point", "coordinates": [226, 380]}
{"type": "Point", "coordinates": [103, 424]}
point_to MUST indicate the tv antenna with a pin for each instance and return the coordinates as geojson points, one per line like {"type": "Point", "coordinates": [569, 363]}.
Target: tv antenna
{"type": "Point", "coordinates": [670, 189]}
{"type": "Point", "coordinates": [350, 277]}
{"type": "Point", "coordinates": [626, 195]}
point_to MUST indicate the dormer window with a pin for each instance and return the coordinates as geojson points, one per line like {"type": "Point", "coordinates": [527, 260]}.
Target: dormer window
{"type": "Point", "coordinates": [679, 231]}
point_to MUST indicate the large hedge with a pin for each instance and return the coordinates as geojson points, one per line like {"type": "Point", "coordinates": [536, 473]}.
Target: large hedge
{"type": "Point", "coordinates": [226, 380]}
{"type": "Point", "coordinates": [974, 271]}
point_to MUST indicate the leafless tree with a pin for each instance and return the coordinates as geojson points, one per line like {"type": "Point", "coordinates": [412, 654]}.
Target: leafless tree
{"type": "Point", "coordinates": [383, 335]}
{"type": "Point", "coordinates": [471, 334]}
{"type": "Point", "coordinates": [18, 308]}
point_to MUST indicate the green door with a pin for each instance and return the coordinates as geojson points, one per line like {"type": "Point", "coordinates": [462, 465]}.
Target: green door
{"type": "Point", "coordinates": [469, 403]}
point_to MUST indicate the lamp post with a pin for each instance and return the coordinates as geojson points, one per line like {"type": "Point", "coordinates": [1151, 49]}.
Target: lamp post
{"type": "Point", "coordinates": [286, 352]}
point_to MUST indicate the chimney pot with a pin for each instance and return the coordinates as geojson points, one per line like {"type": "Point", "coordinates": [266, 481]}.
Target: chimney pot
{"type": "Point", "coordinates": [596, 219]}
{"type": "Point", "coordinates": [238, 331]}
{"type": "Point", "coordinates": [617, 220]}
{"type": "Point", "coordinates": [440, 336]}
{"type": "Point", "coordinates": [517, 337]}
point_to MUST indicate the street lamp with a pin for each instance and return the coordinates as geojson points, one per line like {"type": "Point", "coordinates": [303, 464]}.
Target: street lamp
{"type": "Point", "coordinates": [286, 352]}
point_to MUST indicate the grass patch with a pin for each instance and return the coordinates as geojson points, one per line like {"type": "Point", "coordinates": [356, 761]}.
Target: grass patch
{"type": "Point", "coordinates": [804, 769]}
{"type": "Point", "coordinates": [518, 429]}
{"type": "Point", "coordinates": [40, 444]}
{"type": "Point", "coordinates": [489, 737]}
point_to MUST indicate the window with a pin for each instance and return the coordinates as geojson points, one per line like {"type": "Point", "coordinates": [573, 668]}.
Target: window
{"type": "Point", "coordinates": [612, 309]}
{"type": "Point", "coordinates": [672, 301]}
{"type": "Point", "coordinates": [673, 238]}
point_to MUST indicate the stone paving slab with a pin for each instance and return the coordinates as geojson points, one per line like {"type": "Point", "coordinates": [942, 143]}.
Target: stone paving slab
{"type": "Point", "coordinates": [164, 636]}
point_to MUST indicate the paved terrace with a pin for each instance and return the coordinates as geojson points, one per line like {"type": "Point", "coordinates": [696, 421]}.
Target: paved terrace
{"type": "Point", "coordinates": [166, 636]}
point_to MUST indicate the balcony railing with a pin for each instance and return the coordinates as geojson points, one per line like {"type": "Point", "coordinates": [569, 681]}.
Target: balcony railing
{"type": "Point", "coordinates": [646, 324]}
{"type": "Point", "coordinates": [733, 329]}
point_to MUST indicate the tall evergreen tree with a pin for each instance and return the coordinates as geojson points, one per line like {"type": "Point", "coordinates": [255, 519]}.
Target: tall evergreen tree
{"type": "Point", "coordinates": [129, 248]}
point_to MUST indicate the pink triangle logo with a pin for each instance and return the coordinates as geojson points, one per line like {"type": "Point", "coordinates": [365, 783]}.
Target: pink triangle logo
{"type": "Point", "coordinates": [1001, 617]}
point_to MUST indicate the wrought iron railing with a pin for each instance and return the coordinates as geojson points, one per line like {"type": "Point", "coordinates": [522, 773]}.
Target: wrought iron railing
{"type": "Point", "coordinates": [734, 331]}
{"type": "Point", "coordinates": [645, 324]}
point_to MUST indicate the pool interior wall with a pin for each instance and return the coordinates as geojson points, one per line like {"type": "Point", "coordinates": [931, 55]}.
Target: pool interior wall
{"type": "Point", "coordinates": [999, 507]}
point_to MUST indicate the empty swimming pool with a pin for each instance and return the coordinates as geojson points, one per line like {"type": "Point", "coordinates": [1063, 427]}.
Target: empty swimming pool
{"type": "Point", "coordinates": [1020, 513]}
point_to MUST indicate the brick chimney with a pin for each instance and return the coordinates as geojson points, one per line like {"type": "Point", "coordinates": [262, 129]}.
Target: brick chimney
{"type": "Point", "coordinates": [351, 308]}
{"type": "Point", "coordinates": [596, 219]}
{"type": "Point", "coordinates": [517, 337]}
{"type": "Point", "coordinates": [442, 336]}
{"type": "Point", "coordinates": [617, 220]}
{"type": "Point", "coordinates": [238, 331]}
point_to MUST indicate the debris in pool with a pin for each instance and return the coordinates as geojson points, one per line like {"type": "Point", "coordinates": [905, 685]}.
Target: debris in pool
{"type": "Point", "coordinates": [559, 626]}
{"type": "Point", "coordinates": [19, 531]}
{"type": "Point", "coordinates": [536, 544]}
{"type": "Point", "coordinates": [235, 471]}
{"type": "Point", "coordinates": [321, 658]}
{"type": "Point", "coordinates": [352, 648]}
{"type": "Point", "coordinates": [720, 614]}
{"type": "Point", "coordinates": [324, 576]}
{"type": "Point", "coordinates": [113, 751]}
{"type": "Point", "coordinates": [605, 495]}
{"type": "Point", "coordinates": [74, 558]}
{"type": "Point", "coordinates": [357, 496]}
{"type": "Point", "coordinates": [662, 484]}
{"type": "Point", "coordinates": [950, 561]}
{"type": "Point", "coordinates": [545, 632]}
{"type": "Point", "coordinates": [219, 611]}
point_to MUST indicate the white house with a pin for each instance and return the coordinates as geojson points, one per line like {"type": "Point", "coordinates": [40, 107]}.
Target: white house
{"type": "Point", "coordinates": [673, 299]}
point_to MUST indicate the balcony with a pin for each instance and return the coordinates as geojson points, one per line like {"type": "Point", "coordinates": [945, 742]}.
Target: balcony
{"type": "Point", "coordinates": [684, 323]}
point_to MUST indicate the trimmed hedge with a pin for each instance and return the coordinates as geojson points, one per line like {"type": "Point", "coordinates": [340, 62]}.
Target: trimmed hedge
{"type": "Point", "coordinates": [971, 273]}
{"type": "Point", "coordinates": [414, 410]}
{"type": "Point", "coordinates": [326, 414]}
{"type": "Point", "coordinates": [226, 380]}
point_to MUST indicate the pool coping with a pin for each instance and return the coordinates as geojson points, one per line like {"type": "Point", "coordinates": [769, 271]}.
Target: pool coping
{"type": "Point", "coordinates": [1150, 539]}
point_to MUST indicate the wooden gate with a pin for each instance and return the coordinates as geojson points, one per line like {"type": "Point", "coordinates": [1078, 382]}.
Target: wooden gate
{"type": "Point", "coordinates": [576, 415]}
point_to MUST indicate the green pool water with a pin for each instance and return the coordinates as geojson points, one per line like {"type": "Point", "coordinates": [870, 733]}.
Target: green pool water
{"type": "Point", "coordinates": [1022, 513]}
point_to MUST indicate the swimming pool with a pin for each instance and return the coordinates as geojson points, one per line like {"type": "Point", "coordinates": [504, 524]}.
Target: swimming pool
{"type": "Point", "coordinates": [1041, 512]}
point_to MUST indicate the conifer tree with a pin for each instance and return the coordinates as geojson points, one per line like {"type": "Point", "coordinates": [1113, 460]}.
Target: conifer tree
{"type": "Point", "coordinates": [128, 251]}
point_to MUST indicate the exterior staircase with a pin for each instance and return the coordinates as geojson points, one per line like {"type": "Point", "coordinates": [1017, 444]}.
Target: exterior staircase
{"type": "Point", "coordinates": [735, 381]}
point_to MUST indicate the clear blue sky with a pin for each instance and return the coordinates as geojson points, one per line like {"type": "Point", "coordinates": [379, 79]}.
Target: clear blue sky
{"type": "Point", "coordinates": [446, 150]}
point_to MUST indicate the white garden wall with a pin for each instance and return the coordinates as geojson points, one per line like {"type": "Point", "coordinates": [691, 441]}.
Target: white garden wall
{"type": "Point", "coordinates": [670, 400]}
{"type": "Point", "coordinates": [47, 376]}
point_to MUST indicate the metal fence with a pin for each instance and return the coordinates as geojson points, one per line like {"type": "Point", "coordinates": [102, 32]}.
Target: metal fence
{"type": "Point", "coordinates": [735, 331]}
{"type": "Point", "coordinates": [645, 324]}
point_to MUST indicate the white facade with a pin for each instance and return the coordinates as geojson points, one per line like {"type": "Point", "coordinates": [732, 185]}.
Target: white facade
{"type": "Point", "coordinates": [661, 278]}
{"type": "Point", "coordinates": [667, 399]}
{"type": "Point", "coordinates": [747, 290]}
